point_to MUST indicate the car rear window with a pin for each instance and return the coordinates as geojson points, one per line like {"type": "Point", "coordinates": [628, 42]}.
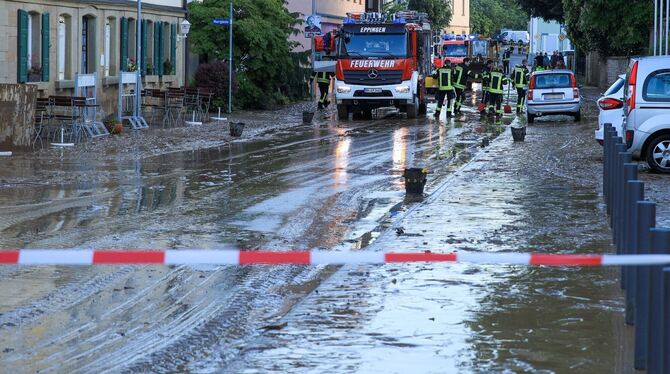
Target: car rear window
{"type": "Point", "coordinates": [614, 88]}
{"type": "Point", "coordinates": [553, 81]}
{"type": "Point", "coordinates": [657, 86]}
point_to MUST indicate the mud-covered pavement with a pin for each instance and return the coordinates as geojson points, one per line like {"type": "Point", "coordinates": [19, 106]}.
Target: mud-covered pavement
{"type": "Point", "coordinates": [332, 185]}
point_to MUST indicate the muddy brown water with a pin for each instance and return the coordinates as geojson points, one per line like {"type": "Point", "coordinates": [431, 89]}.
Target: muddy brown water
{"type": "Point", "coordinates": [299, 187]}
{"type": "Point", "coordinates": [330, 185]}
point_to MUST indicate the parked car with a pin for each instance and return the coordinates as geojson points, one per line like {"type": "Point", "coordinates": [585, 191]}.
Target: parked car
{"type": "Point", "coordinates": [553, 92]}
{"type": "Point", "coordinates": [515, 37]}
{"type": "Point", "coordinates": [497, 36]}
{"type": "Point", "coordinates": [647, 111]}
{"type": "Point", "coordinates": [611, 108]}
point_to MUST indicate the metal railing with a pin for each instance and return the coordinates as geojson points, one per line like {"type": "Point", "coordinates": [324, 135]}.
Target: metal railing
{"type": "Point", "coordinates": [634, 231]}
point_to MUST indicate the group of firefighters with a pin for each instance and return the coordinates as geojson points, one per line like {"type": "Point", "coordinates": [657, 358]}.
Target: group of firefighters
{"type": "Point", "coordinates": [452, 81]}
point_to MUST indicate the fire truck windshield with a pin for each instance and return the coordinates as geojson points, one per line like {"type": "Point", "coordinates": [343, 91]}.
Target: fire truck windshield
{"type": "Point", "coordinates": [375, 45]}
{"type": "Point", "coordinates": [454, 50]}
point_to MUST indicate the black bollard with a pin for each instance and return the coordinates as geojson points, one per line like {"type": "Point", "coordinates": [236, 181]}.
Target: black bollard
{"type": "Point", "coordinates": [607, 130]}
{"type": "Point", "coordinates": [660, 245]}
{"type": "Point", "coordinates": [622, 158]}
{"type": "Point", "coordinates": [629, 174]}
{"type": "Point", "coordinates": [611, 174]}
{"type": "Point", "coordinates": [646, 220]}
{"type": "Point", "coordinates": [617, 173]}
{"type": "Point", "coordinates": [635, 194]}
{"type": "Point", "coordinates": [666, 308]}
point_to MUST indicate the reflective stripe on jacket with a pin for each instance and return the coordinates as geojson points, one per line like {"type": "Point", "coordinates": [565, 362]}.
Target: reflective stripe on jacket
{"type": "Point", "coordinates": [520, 76]}
{"type": "Point", "coordinates": [444, 79]}
{"type": "Point", "coordinates": [498, 79]}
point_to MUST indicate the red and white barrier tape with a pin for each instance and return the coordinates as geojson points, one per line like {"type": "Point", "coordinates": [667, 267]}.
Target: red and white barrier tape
{"type": "Point", "coordinates": [233, 257]}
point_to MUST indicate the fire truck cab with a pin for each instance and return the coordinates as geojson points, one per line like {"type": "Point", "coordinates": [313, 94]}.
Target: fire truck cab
{"type": "Point", "coordinates": [383, 61]}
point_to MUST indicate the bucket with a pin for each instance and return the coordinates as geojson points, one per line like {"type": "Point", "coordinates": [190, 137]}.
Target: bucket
{"type": "Point", "coordinates": [236, 129]}
{"type": "Point", "coordinates": [518, 133]}
{"type": "Point", "coordinates": [415, 180]}
{"type": "Point", "coordinates": [307, 117]}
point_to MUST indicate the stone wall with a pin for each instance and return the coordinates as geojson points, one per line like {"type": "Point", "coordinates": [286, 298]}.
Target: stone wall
{"type": "Point", "coordinates": [603, 72]}
{"type": "Point", "coordinates": [17, 105]}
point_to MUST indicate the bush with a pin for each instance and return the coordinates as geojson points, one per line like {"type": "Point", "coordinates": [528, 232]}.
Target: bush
{"type": "Point", "coordinates": [214, 76]}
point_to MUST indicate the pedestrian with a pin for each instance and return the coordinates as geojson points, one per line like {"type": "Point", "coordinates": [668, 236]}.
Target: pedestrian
{"type": "Point", "coordinates": [506, 57]}
{"type": "Point", "coordinates": [554, 59]}
{"type": "Point", "coordinates": [323, 79]}
{"type": "Point", "coordinates": [444, 77]}
{"type": "Point", "coordinates": [461, 74]}
{"type": "Point", "coordinates": [496, 82]}
{"type": "Point", "coordinates": [545, 61]}
{"type": "Point", "coordinates": [539, 61]}
{"type": "Point", "coordinates": [560, 64]}
{"type": "Point", "coordinates": [521, 77]}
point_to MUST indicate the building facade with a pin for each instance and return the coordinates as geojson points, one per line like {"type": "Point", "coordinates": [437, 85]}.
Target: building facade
{"type": "Point", "coordinates": [48, 42]}
{"type": "Point", "coordinates": [332, 14]}
{"type": "Point", "coordinates": [460, 20]}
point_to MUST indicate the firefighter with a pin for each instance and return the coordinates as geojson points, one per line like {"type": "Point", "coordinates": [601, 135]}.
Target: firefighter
{"type": "Point", "coordinates": [497, 80]}
{"type": "Point", "coordinates": [444, 77]}
{"type": "Point", "coordinates": [521, 76]}
{"type": "Point", "coordinates": [507, 55]}
{"type": "Point", "coordinates": [322, 79]}
{"type": "Point", "coordinates": [486, 75]}
{"type": "Point", "coordinates": [461, 74]}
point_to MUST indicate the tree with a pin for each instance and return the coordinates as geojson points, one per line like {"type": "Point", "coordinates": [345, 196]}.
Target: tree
{"type": "Point", "coordinates": [439, 11]}
{"type": "Point", "coordinates": [590, 25]}
{"type": "Point", "coordinates": [547, 9]}
{"type": "Point", "coordinates": [262, 52]}
{"type": "Point", "coordinates": [487, 16]}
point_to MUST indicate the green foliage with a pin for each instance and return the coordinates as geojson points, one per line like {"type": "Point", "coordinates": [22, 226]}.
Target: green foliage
{"type": "Point", "coordinates": [591, 25]}
{"type": "Point", "coordinates": [487, 16]}
{"type": "Point", "coordinates": [547, 9]}
{"type": "Point", "coordinates": [439, 11]}
{"type": "Point", "coordinates": [263, 57]}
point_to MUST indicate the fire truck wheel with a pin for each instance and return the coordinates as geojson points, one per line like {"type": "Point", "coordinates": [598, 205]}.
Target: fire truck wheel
{"type": "Point", "coordinates": [412, 109]}
{"type": "Point", "coordinates": [342, 112]}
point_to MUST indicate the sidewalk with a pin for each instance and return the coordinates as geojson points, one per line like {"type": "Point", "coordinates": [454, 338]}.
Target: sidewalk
{"type": "Point", "coordinates": [538, 196]}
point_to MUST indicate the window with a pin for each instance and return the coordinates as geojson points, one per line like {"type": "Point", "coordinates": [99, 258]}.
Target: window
{"type": "Point", "coordinates": [110, 54]}
{"type": "Point", "coordinates": [657, 86]}
{"type": "Point", "coordinates": [546, 81]}
{"type": "Point", "coordinates": [33, 45]}
{"type": "Point", "coordinates": [166, 55]}
{"type": "Point", "coordinates": [88, 45]}
{"type": "Point", "coordinates": [64, 47]}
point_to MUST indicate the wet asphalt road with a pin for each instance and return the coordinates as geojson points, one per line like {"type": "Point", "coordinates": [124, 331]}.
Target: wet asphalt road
{"type": "Point", "coordinates": [301, 187]}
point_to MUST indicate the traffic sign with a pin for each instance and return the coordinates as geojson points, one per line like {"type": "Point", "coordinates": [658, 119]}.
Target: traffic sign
{"type": "Point", "coordinates": [221, 21]}
{"type": "Point", "coordinates": [561, 37]}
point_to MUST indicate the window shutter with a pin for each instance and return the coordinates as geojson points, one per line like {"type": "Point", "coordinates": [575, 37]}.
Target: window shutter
{"type": "Point", "coordinates": [173, 48]}
{"type": "Point", "coordinates": [46, 35]}
{"type": "Point", "coordinates": [124, 44]}
{"type": "Point", "coordinates": [161, 49]}
{"type": "Point", "coordinates": [157, 42]}
{"type": "Point", "coordinates": [22, 47]}
{"type": "Point", "coordinates": [144, 47]}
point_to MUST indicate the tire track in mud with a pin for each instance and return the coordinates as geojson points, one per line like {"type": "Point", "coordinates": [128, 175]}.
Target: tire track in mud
{"type": "Point", "coordinates": [180, 334]}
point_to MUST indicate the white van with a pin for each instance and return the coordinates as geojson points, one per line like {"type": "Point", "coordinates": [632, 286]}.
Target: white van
{"type": "Point", "coordinates": [515, 37]}
{"type": "Point", "coordinates": [647, 111]}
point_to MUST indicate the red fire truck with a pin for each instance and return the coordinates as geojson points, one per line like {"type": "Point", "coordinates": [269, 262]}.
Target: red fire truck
{"type": "Point", "coordinates": [383, 61]}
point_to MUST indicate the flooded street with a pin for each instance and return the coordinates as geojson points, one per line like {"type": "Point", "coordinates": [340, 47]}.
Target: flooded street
{"type": "Point", "coordinates": [329, 185]}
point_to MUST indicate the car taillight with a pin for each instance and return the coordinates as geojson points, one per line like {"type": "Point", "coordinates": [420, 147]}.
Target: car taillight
{"type": "Point", "coordinates": [607, 103]}
{"type": "Point", "coordinates": [532, 83]}
{"type": "Point", "coordinates": [530, 95]}
{"type": "Point", "coordinates": [630, 134]}
{"type": "Point", "coordinates": [632, 80]}
{"type": "Point", "coordinates": [575, 93]}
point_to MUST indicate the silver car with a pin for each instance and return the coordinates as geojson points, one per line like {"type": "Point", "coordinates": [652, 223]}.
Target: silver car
{"type": "Point", "coordinates": [553, 92]}
{"type": "Point", "coordinates": [647, 111]}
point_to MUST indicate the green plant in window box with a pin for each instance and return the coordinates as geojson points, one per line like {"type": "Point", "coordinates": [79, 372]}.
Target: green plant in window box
{"type": "Point", "coordinates": [35, 73]}
{"type": "Point", "coordinates": [132, 65]}
{"type": "Point", "coordinates": [150, 68]}
{"type": "Point", "coordinates": [167, 67]}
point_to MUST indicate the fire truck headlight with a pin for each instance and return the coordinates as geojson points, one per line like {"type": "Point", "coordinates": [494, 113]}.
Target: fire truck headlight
{"type": "Point", "coordinates": [343, 89]}
{"type": "Point", "coordinates": [402, 89]}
